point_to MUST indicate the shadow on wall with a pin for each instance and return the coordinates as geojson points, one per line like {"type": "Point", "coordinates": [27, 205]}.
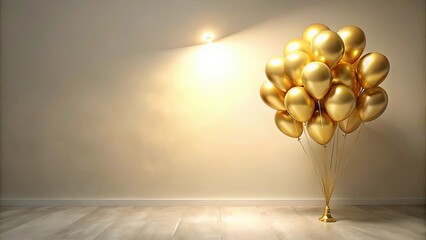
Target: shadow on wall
{"type": "Point", "coordinates": [378, 163]}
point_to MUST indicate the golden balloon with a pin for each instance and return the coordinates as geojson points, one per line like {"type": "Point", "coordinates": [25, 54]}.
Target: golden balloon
{"type": "Point", "coordinates": [296, 45]}
{"type": "Point", "coordinates": [340, 102]}
{"type": "Point", "coordinates": [372, 70]}
{"type": "Point", "coordinates": [294, 64]}
{"type": "Point", "coordinates": [312, 30]}
{"type": "Point", "coordinates": [351, 123]}
{"type": "Point", "coordinates": [272, 96]}
{"type": "Point", "coordinates": [372, 103]}
{"type": "Point", "coordinates": [321, 127]}
{"type": "Point", "coordinates": [354, 40]}
{"type": "Point", "coordinates": [299, 104]}
{"type": "Point", "coordinates": [344, 73]}
{"type": "Point", "coordinates": [274, 70]}
{"type": "Point", "coordinates": [288, 125]}
{"type": "Point", "coordinates": [327, 47]}
{"type": "Point", "coordinates": [316, 78]}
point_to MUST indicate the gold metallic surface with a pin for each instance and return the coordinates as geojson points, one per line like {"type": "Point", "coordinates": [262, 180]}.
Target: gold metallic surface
{"type": "Point", "coordinates": [274, 70]}
{"type": "Point", "coordinates": [288, 125]}
{"type": "Point", "coordinates": [294, 64]}
{"type": "Point", "coordinates": [312, 30]}
{"type": "Point", "coordinates": [326, 217]}
{"type": "Point", "coordinates": [372, 70]}
{"type": "Point", "coordinates": [299, 104]}
{"type": "Point", "coordinates": [340, 102]}
{"type": "Point", "coordinates": [344, 73]}
{"type": "Point", "coordinates": [351, 123]}
{"type": "Point", "coordinates": [272, 96]}
{"type": "Point", "coordinates": [316, 78]}
{"type": "Point", "coordinates": [296, 45]}
{"type": "Point", "coordinates": [321, 127]}
{"type": "Point", "coordinates": [354, 40]}
{"type": "Point", "coordinates": [327, 47]}
{"type": "Point", "coordinates": [372, 103]}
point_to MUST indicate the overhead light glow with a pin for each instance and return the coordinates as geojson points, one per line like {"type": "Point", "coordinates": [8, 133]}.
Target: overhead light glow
{"type": "Point", "coordinates": [208, 37]}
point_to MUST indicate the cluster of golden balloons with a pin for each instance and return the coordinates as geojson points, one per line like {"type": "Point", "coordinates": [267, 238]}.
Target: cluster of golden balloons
{"type": "Point", "coordinates": [322, 80]}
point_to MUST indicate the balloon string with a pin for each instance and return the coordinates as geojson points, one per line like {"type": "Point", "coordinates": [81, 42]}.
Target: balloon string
{"type": "Point", "coordinates": [338, 168]}
{"type": "Point", "coordinates": [326, 175]}
{"type": "Point", "coordinates": [347, 122]}
{"type": "Point", "coordinates": [343, 149]}
{"type": "Point", "coordinates": [336, 172]}
{"type": "Point", "coordinates": [294, 125]}
{"type": "Point", "coordinates": [332, 150]}
{"type": "Point", "coordinates": [310, 158]}
{"type": "Point", "coordinates": [356, 140]}
{"type": "Point", "coordinates": [337, 149]}
{"type": "Point", "coordinates": [324, 160]}
{"type": "Point", "coordinates": [310, 147]}
{"type": "Point", "coordinates": [320, 112]}
{"type": "Point", "coordinates": [359, 130]}
{"type": "Point", "coordinates": [315, 161]}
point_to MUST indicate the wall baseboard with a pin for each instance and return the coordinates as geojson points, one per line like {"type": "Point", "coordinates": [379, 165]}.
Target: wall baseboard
{"type": "Point", "coordinates": [210, 202]}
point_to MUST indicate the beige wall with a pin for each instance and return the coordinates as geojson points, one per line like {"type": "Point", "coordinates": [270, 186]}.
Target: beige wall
{"type": "Point", "coordinates": [86, 113]}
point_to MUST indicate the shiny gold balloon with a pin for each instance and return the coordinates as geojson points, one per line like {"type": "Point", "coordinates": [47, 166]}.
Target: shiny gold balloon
{"type": "Point", "coordinates": [321, 127]}
{"type": "Point", "coordinates": [327, 47]}
{"type": "Point", "coordinates": [340, 102]}
{"type": "Point", "coordinates": [316, 78]}
{"type": "Point", "coordinates": [299, 104]}
{"type": "Point", "coordinates": [312, 30]}
{"type": "Point", "coordinates": [274, 70]}
{"type": "Point", "coordinates": [372, 70]}
{"type": "Point", "coordinates": [294, 64]}
{"type": "Point", "coordinates": [372, 103]}
{"type": "Point", "coordinates": [272, 96]}
{"type": "Point", "coordinates": [354, 40]}
{"type": "Point", "coordinates": [296, 45]}
{"type": "Point", "coordinates": [351, 123]}
{"type": "Point", "coordinates": [344, 73]}
{"type": "Point", "coordinates": [288, 125]}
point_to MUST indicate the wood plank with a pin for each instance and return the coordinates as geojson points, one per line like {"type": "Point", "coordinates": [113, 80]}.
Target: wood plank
{"type": "Point", "coordinates": [93, 224]}
{"type": "Point", "coordinates": [199, 223]}
{"type": "Point", "coordinates": [42, 227]}
{"type": "Point", "coordinates": [410, 223]}
{"type": "Point", "coordinates": [129, 226]}
{"type": "Point", "coordinates": [417, 211]}
{"type": "Point", "coordinates": [364, 225]}
{"type": "Point", "coordinates": [245, 223]}
{"type": "Point", "coordinates": [287, 223]}
{"type": "Point", "coordinates": [23, 217]}
{"type": "Point", "coordinates": [162, 223]}
{"type": "Point", "coordinates": [323, 230]}
{"type": "Point", "coordinates": [269, 222]}
{"type": "Point", "coordinates": [6, 212]}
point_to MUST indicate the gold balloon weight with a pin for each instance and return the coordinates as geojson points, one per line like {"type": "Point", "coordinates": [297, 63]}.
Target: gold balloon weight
{"type": "Point", "coordinates": [323, 91]}
{"type": "Point", "coordinates": [327, 216]}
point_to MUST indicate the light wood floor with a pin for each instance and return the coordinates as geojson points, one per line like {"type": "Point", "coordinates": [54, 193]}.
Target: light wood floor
{"type": "Point", "coordinates": [213, 223]}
